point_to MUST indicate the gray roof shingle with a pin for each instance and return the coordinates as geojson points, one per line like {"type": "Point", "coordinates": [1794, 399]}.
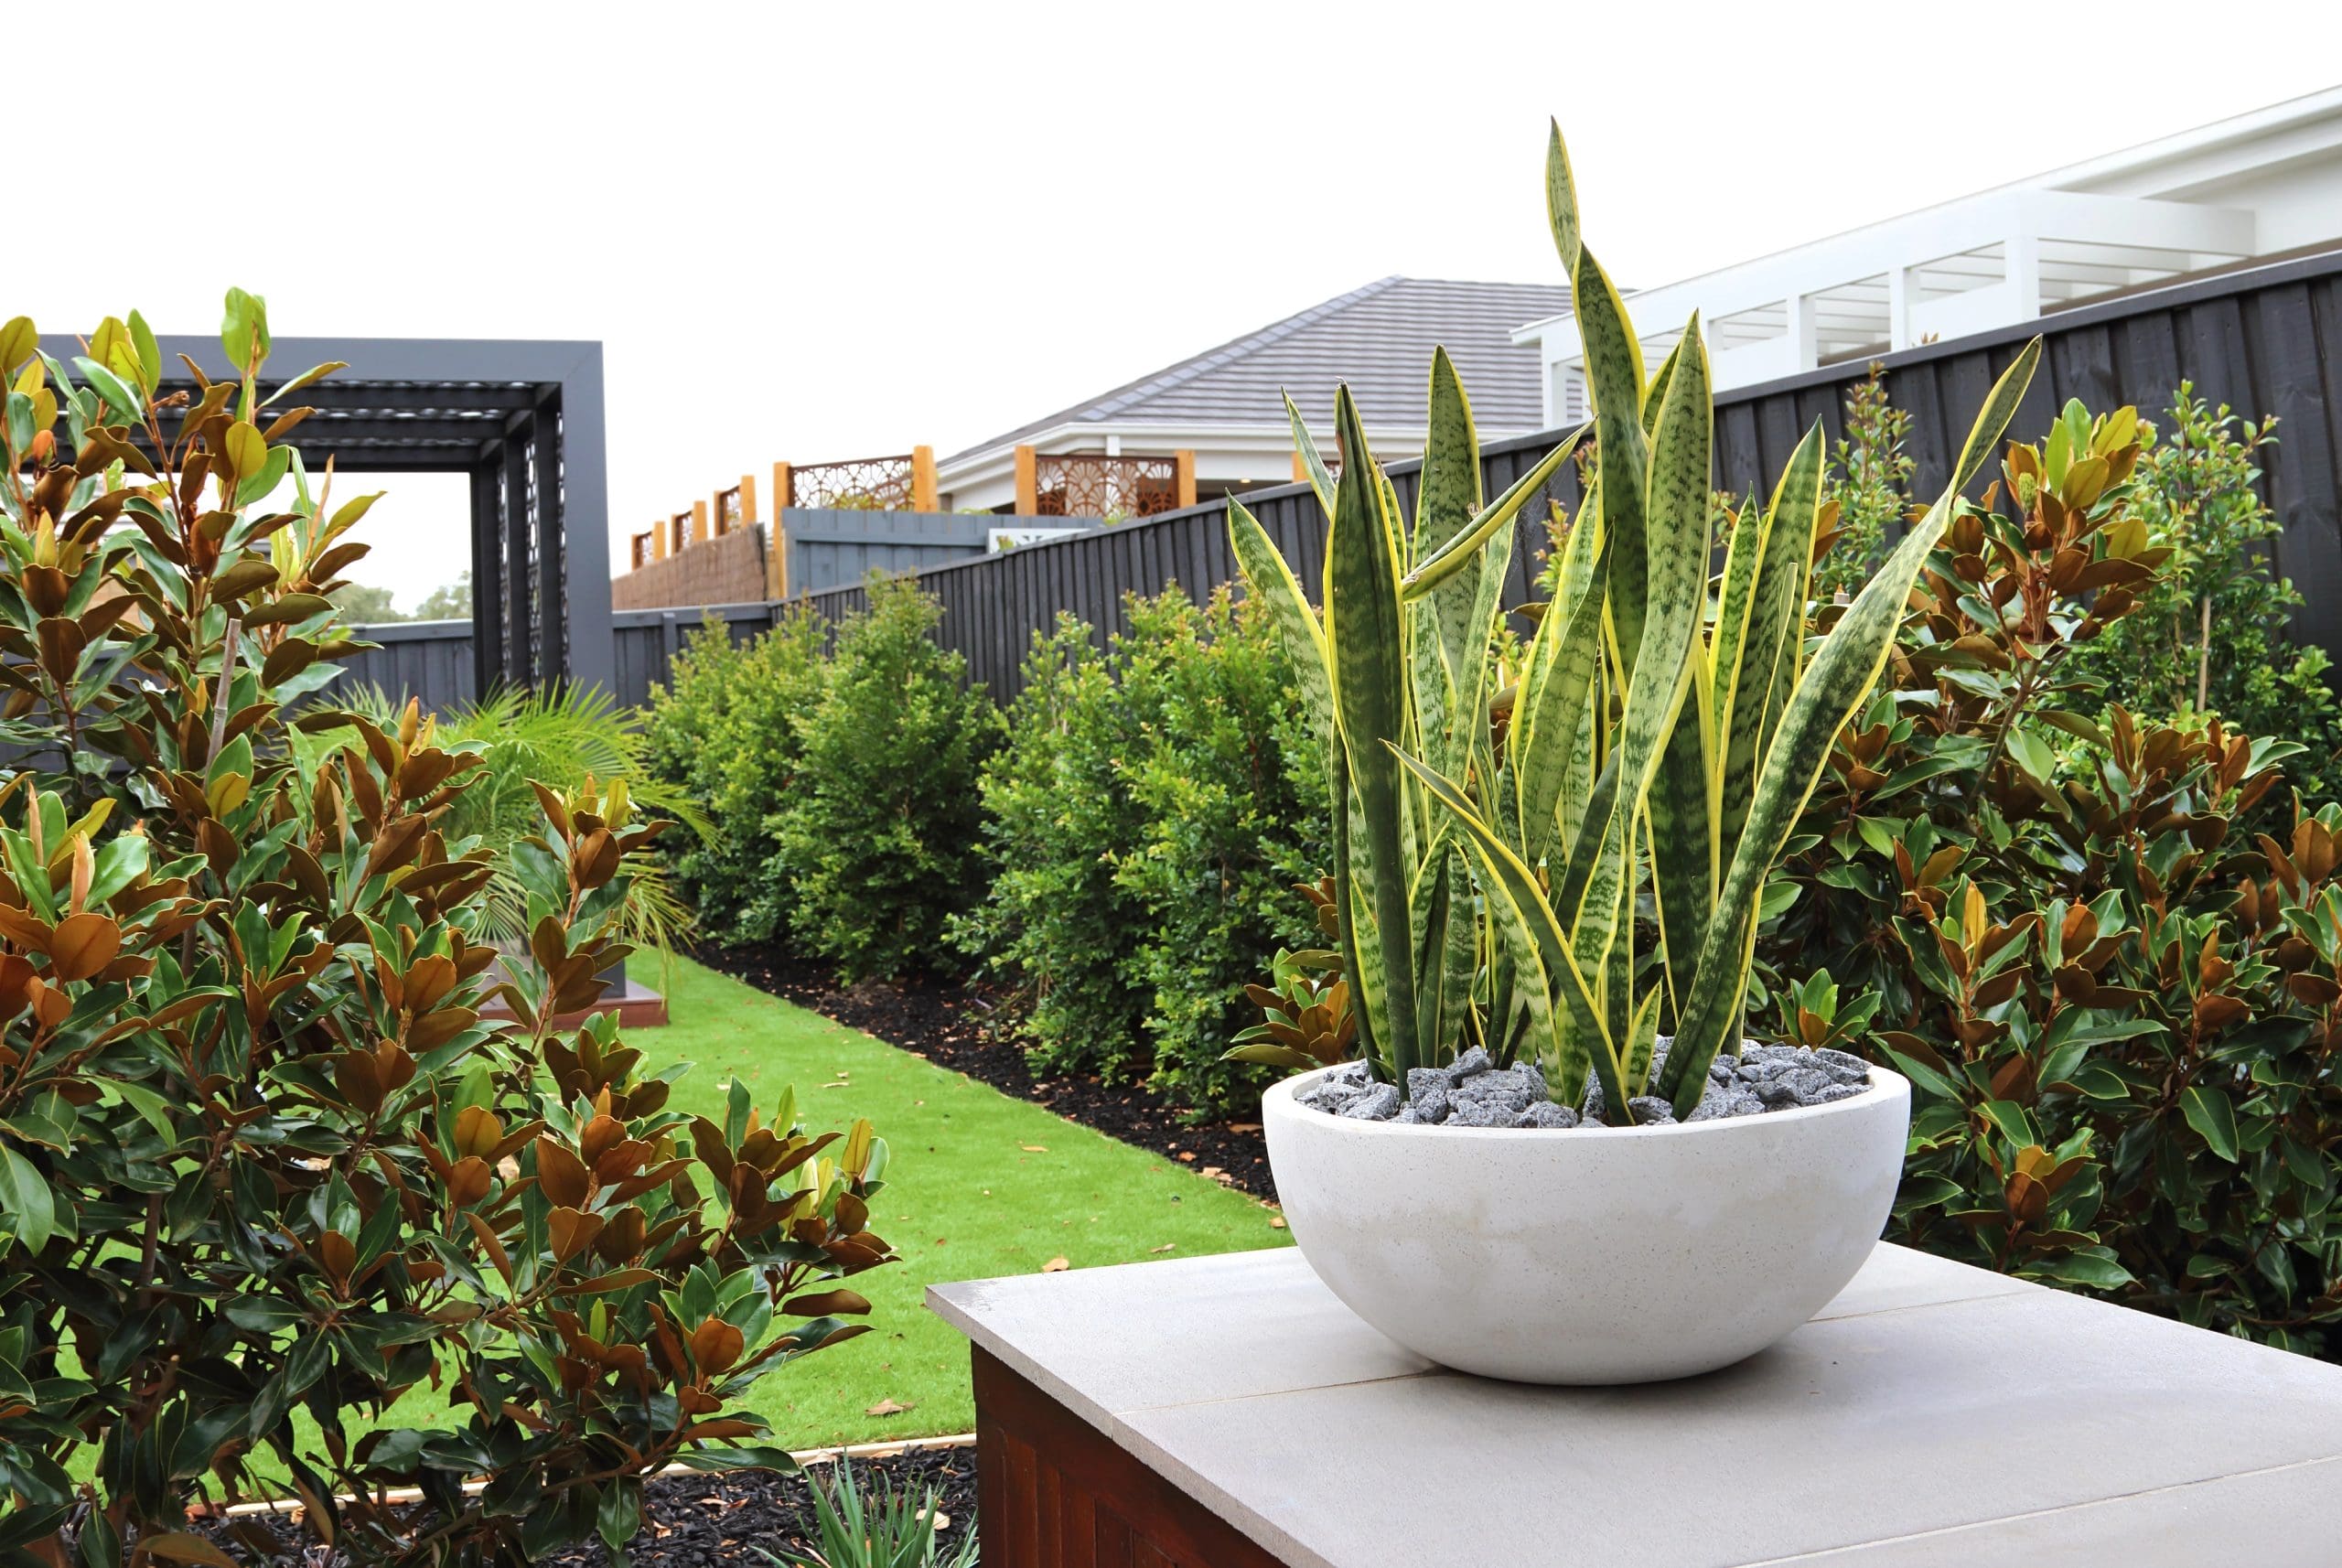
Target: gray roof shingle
{"type": "Point", "coordinates": [1378, 338]}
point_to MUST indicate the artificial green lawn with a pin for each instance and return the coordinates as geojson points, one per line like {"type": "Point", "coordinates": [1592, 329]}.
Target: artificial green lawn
{"type": "Point", "coordinates": [977, 1184]}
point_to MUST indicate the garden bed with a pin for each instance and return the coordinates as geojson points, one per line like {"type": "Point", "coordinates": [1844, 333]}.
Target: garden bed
{"type": "Point", "coordinates": [960, 1025]}
{"type": "Point", "coordinates": [690, 1520]}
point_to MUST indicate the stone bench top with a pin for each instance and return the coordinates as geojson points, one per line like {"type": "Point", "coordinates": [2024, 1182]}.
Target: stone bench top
{"type": "Point", "coordinates": [1932, 1415]}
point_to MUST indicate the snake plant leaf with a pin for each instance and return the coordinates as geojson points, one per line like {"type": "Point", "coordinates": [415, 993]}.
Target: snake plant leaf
{"type": "Point", "coordinates": [1361, 954]}
{"type": "Point", "coordinates": [1614, 377]}
{"type": "Point", "coordinates": [1447, 497]}
{"type": "Point", "coordinates": [1833, 688]}
{"type": "Point", "coordinates": [1453, 556]}
{"type": "Point", "coordinates": [1366, 632]}
{"type": "Point", "coordinates": [1321, 479]}
{"type": "Point", "coordinates": [1539, 949]}
{"type": "Point", "coordinates": [1762, 627]}
{"type": "Point", "coordinates": [1551, 705]}
{"type": "Point", "coordinates": [1561, 200]}
{"type": "Point", "coordinates": [1642, 1043]}
{"type": "Point", "coordinates": [1655, 394]}
{"type": "Point", "coordinates": [1675, 582]}
{"type": "Point", "coordinates": [1267, 576]}
{"type": "Point", "coordinates": [1683, 810]}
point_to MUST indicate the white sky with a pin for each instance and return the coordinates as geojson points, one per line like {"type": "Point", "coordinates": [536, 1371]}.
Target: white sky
{"type": "Point", "coordinates": [811, 233]}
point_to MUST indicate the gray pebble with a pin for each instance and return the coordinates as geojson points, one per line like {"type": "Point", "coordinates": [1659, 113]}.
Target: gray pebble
{"type": "Point", "coordinates": [1504, 1089]}
{"type": "Point", "coordinates": [1431, 1105]}
{"type": "Point", "coordinates": [1377, 1104]}
{"type": "Point", "coordinates": [1406, 1117]}
{"type": "Point", "coordinates": [1480, 1113]}
{"type": "Point", "coordinates": [1471, 1064]}
{"type": "Point", "coordinates": [1330, 1097]}
{"type": "Point", "coordinates": [1593, 1111]}
{"type": "Point", "coordinates": [1842, 1067]}
{"type": "Point", "coordinates": [1545, 1113]}
{"type": "Point", "coordinates": [1715, 1101]}
{"type": "Point", "coordinates": [1777, 1094]}
{"type": "Point", "coordinates": [1805, 1082]}
{"type": "Point", "coordinates": [1423, 1081]}
{"type": "Point", "coordinates": [1651, 1110]}
{"type": "Point", "coordinates": [1838, 1091]}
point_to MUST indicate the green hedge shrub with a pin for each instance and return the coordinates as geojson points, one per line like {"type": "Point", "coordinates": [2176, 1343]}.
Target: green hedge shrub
{"type": "Point", "coordinates": [1147, 819]}
{"type": "Point", "coordinates": [725, 732]}
{"type": "Point", "coordinates": [880, 829]}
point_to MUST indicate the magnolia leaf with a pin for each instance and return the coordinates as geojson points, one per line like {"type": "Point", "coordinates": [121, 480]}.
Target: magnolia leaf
{"type": "Point", "coordinates": [2209, 1112]}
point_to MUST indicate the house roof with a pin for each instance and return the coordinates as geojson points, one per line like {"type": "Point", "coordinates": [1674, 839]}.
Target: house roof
{"type": "Point", "coordinates": [1378, 338]}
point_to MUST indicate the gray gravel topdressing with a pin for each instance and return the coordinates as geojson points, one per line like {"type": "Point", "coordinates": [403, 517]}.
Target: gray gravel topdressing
{"type": "Point", "coordinates": [1474, 1093]}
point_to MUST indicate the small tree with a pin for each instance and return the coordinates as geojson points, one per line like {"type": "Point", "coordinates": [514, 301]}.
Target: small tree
{"type": "Point", "coordinates": [1870, 475]}
{"type": "Point", "coordinates": [262, 1150]}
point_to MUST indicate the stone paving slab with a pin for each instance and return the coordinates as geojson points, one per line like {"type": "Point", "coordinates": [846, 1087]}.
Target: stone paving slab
{"type": "Point", "coordinates": [1932, 1414]}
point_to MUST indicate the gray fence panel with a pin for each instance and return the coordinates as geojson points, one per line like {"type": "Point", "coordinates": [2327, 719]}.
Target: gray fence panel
{"type": "Point", "coordinates": [830, 547]}
{"type": "Point", "coordinates": [427, 658]}
{"type": "Point", "coordinates": [2261, 340]}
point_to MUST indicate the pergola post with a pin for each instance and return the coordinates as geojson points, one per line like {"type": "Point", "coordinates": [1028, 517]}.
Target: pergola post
{"type": "Point", "coordinates": [488, 574]}
{"type": "Point", "coordinates": [520, 664]}
{"type": "Point", "coordinates": [553, 579]}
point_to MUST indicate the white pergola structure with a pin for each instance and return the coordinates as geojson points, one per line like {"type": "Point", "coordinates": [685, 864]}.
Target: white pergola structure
{"type": "Point", "coordinates": [2264, 183]}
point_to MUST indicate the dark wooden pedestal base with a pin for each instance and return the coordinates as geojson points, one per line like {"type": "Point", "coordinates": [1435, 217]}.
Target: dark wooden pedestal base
{"type": "Point", "coordinates": [1053, 1492]}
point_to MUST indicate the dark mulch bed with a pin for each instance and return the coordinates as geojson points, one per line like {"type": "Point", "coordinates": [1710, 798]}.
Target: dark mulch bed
{"type": "Point", "coordinates": [960, 1025]}
{"type": "Point", "coordinates": [713, 1519]}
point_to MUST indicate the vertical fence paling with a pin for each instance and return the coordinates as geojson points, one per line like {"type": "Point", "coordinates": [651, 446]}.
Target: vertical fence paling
{"type": "Point", "coordinates": [2260, 341]}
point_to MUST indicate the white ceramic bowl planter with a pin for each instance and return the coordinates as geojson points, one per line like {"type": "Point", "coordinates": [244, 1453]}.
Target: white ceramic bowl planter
{"type": "Point", "coordinates": [1598, 1254]}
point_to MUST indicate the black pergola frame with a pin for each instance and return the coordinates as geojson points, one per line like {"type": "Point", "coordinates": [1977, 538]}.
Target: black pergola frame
{"type": "Point", "coordinates": [523, 418]}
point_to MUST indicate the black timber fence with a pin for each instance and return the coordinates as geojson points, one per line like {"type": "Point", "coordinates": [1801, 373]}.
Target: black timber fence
{"type": "Point", "coordinates": [2265, 341]}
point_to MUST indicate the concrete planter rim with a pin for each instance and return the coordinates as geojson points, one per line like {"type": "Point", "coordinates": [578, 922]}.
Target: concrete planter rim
{"type": "Point", "coordinates": [1883, 1079]}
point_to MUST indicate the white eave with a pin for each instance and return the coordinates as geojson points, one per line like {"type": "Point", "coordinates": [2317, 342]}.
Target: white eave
{"type": "Point", "coordinates": [2211, 197]}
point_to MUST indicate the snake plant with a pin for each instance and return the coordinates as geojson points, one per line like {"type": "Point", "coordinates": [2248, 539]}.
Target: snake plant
{"type": "Point", "coordinates": [1657, 737]}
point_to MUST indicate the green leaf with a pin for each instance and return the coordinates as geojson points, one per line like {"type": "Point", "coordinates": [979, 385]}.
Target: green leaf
{"type": "Point", "coordinates": [117, 396]}
{"type": "Point", "coordinates": [313, 374]}
{"type": "Point", "coordinates": [149, 351]}
{"type": "Point", "coordinates": [2209, 1112]}
{"type": "Point", "coordinates": [1550, 709]}
{"type": "Point", "coordinates": [1265, 1055]}
{"type": "Point", "coordinates": [243, 331]}
{"type": "Point", "coordinates": [1561, 200]}
{"type": "Point", "coordinates": [1366, 638]}
{"type": "Point", "coordinates": [2086, 1269]}
{"type": "Point", "coordinates": [736, 1458]}
{"type": "Point", "coordinates": [19, 340]}
{"type": "Point", "coordinates": [25, 1202]}
{"type": "Point", "coordinates": [1614, 373]}
{"type": "Point", "coordinates": [2014, 1122]}
{"type": "Point", "coordinates": [1463, 549]}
